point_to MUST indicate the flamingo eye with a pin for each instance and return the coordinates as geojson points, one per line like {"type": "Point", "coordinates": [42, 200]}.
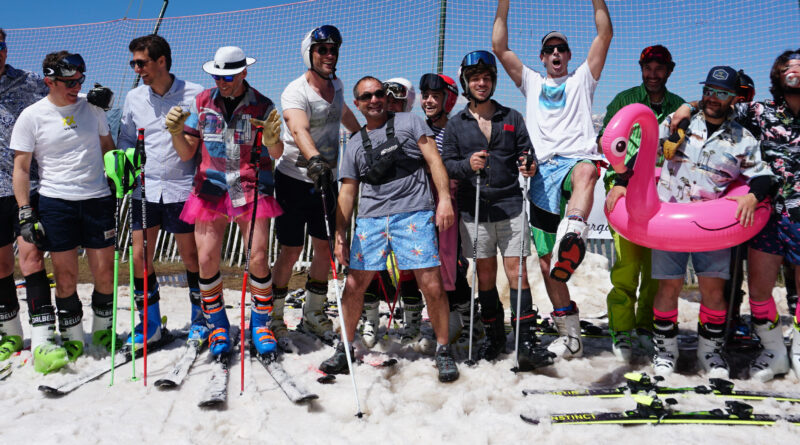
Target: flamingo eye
{"type": "Point", "coordinates": [619, 147]}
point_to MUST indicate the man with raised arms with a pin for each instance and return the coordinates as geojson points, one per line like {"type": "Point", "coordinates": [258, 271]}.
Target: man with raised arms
{"type": "Point", "coordinates": [559, 121]}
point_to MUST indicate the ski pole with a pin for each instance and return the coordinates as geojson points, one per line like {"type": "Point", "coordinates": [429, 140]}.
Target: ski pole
{"type": "Point", "coordinates": [255, 157]}
{"type": "Point", "coordinates": [119, 175]}
{"type": "Point", "coordinates": [521, 259]}
{"type": "Point", "coordinates": [737, 268]}
{"type": "Point", "coordinates": [133, 298]}
{"type": "Point", "coordinates": [359, 414]}
{"type": "Point", "coordinates": [143, 158]}
{"type": "Point", "coordinates": [469, 361]}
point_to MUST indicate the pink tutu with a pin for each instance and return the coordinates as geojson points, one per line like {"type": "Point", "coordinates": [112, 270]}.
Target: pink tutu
{"type": "Point", "coordinates": [201, 209]}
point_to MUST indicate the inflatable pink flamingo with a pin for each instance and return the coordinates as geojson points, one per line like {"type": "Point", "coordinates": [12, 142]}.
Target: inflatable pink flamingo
{"type": "Point", "coordinates": [679, 227]}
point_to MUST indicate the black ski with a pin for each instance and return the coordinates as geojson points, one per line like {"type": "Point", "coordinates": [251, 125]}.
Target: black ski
{"type": "Point", "coordinates": [123, 356]}
{"type": "Point", "coordinates": [642, 383]}
{"type": "Point", "coordinates": [651, 410]}
{"type": "Point", "coordinates": [182, 366]}
{"type": "Point", "coordinates": [293, 390]}
{"type": "Point", "coordinates": [216, 391]}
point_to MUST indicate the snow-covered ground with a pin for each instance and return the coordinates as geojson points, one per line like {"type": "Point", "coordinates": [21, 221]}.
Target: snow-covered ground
{"type": "Point", "coordinates": [402, 404]}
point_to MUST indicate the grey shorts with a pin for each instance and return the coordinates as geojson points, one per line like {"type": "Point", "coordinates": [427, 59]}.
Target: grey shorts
{"type": "Point", "coordinates": [505, 235]}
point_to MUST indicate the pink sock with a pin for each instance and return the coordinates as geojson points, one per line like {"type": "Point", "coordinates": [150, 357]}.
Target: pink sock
{"type": "Point", "coordinates": [670, 316]}
{"type": "Point", "coordinates": [711, 316]}
{"type": "Point", "coordinates": [764, 310]}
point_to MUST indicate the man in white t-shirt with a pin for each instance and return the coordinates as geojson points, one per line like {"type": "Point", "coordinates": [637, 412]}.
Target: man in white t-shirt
{"type": "Point", "coordinates": [559, 120]}
{"type": "Point", "coordinates": [313, 110]}
{"type": "Point", "coordinates": [67, 136]}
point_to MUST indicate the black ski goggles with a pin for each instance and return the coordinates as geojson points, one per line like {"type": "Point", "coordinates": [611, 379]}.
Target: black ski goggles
{"type": "Point", "coordinates": [67, 67]}
{"type": "Point", "coordinates": [326, 34]}
{"type": "Point", "coordinates": [478, 57]}
{"type": "Point", "coordinates": [396, 90]}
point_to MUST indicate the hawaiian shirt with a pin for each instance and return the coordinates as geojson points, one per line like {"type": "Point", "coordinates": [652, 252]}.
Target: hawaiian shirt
{"type": "Point", "coordinates": [705, 164]}
{"type": "Point", "coordinates": [779, 132]}
{"type": "Point", "coordinates": [18, 90]}
{"type": "Point", "coordinates": [225, 146]}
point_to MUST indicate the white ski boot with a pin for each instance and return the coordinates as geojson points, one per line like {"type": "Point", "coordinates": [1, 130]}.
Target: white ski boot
{"type": "Point", "coordinates": [773, 359]}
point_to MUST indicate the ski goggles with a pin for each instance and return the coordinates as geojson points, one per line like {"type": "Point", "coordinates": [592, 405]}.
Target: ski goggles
{"type": "Point", "coordinates": [66, 67]}
{"type": "Point", "coordinates": [561, 47]}
{"type": "Point", "coordinates": [721, 94]}
{"type": "Point", "coordinates": [326, 34]}
{"type": "Point", "coordinates": [478, 57]}
{"type": "Point", "coordinates": [223, 78]}
{"type": "Point", "coordinates": [3, 46]}
{"type": "Point", "coordinates": [71, 83]}
{"type": "Point", "coordinates": [395, 90]}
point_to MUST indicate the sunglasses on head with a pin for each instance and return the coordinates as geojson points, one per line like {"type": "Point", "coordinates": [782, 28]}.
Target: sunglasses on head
{"type": "Point", "coordinates": [70, 83]}
{"type": "Point", "coordinates": [138, 63]}
{"type": "Point", "coordinates": [66, 67]}
{"type": "Point", "coordinates": [323, 50]}
{"type": "Point", "coordinates": [3, 46]}
{"type": "Point", "coordinates": [380, 94]}
{"type": "Point", "coordinates": [225, 78]}
{"type": "Point", "coordinates": [721, 94]}
{"type": "Point", "coordinates": [561, 47]}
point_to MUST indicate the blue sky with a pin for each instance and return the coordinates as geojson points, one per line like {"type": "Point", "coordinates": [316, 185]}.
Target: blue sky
{"type": "Point", "coordinates": [391, 38]}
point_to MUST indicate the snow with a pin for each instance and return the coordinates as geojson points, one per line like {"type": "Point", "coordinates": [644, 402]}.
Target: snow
{"type": "Point", "coordinates": [402, 404]}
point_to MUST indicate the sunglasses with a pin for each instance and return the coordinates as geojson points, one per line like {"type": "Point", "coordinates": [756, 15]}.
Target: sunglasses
{"type": "Point", "coordinates": [379, 94]}
{"type": "Point", "coordinates": [721, 94]}
{"type": "Point", "coordinates": [3, 46]}
{"type": "Point", "coordinates": [324, 50]}
{"type": "Point", "coordinates": [225, 78]}
{"type": "Point", "coordinates": [70, 83]}
{"type": "Point", "coordinates": [561, 47]}
{"type": "Point", "coordinates": [138, 63]}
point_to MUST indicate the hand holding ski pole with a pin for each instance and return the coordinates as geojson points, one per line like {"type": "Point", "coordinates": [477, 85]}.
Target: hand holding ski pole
{"type": "Point", "coordinates": [527, 164]}
{"type": "Point", "coordinates": [477, 162]}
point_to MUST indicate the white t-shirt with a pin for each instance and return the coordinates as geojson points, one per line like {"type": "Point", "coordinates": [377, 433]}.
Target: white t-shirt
{"type": "Point", "coordinates": [559, 113]}
{"type": "Point", "coordinates": [65, 141]}
{"type": "Point", "coordinates": [324, 119]}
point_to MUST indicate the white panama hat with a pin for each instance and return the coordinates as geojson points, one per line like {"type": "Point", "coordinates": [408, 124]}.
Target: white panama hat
{"type": "Point", "coordinates": [227, 61]}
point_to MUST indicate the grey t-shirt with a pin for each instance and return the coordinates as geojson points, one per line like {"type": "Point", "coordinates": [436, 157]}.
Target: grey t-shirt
{"type": "Point", "coordinates": [408, 194]}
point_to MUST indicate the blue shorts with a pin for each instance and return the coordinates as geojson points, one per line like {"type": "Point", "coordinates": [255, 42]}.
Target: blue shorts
{"type": "Point", "coordinates": [159, 214]}
{"type": "Point", "coordinates": [88, 223]}
{"type": "Point", "coordinates": [781, 236]}
{"type": "Point", "coordinates": [302, 208]}
{"type": "Point", "coordinates": [672, 265]}
{"type": "Point", "coordinates": [411, 235]}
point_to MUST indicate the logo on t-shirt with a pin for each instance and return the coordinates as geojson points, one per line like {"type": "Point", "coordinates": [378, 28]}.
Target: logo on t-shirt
{"type": "Point", "coordinates": [69, 123]}
{"type": "Point", "coordinates": [553, 97]}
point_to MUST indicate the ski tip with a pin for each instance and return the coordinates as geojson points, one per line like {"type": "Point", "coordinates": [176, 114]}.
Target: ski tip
{"type": "Point", "coordinates": [50, 391]}
{"type": "Point", "coordinates": [530, 420]}
{"type": "Point", "coordinates": [307, 398]}
{"type": "Point", "coordinates": [165, 384]}
{"type": "Point", "coordinates": [327, 379]}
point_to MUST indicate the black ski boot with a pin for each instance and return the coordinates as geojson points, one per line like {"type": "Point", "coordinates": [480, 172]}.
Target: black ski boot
{"type": "Point", "coordinates": [495, 343]}
{"type": "Point", "coordinates": [337, 363]}
{"type": "Point", "coordinates": [532, 354]}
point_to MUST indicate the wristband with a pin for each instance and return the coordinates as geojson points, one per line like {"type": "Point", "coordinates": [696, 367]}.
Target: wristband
{"type": "Point", "coordinates": [692, 108]}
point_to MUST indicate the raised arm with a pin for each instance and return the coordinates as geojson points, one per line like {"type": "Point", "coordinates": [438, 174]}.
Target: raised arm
{"type": "Point", "coordinates": [599, 49]}
{"type": "Point", "coordinates": [510, 61]}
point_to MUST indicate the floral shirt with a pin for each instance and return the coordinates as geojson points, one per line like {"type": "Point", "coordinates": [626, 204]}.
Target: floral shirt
{"type": "Point", "coordinates": [779, 132]}
{"type": "Point", "coordinates": [705, 164]}
{"type": "Point", "coordinates": [18, 90]}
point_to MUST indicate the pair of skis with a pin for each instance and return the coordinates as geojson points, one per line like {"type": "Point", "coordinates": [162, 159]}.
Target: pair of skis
{"type": "Point", "coordinates": [216, 391]}
{"type": "Point", "coordinates": [651, 410]}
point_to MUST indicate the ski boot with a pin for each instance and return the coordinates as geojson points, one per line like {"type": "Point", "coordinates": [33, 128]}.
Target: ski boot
{"type": "Point", "coordinates": [570, 248]}
{"type": "Point", "coordinates": [70, 326]}
{"type": "Point", "coordinates": [665, 342]}
{"type": "Point", "coordinates": [461, 346]}
{"type": "Point", "coordinates": [412, 319]}
{"type": "Point", "coordinates": [337, 363]}
{"type": "Point", "coordinates": [796, 347]}
{"type": "Point", "coordinates": [219, 341]}
{"type": "Point", "coordinates": [260, 334]}
{"type": "Point", "coordinates": [622, 345]}
{"type": "Point", "coordinates": [47, 355]}
{"type": "Point", "coordinates": [10, 333]}
{"type": "Point", "coordinates": [198, 329]}
{"type": "Point", "coordinates": [315, 320]}
{"type": "Point", "coordinates": [445, 364]}
{"type": "Point", "coordinates": [645, 338]}
{"type": "Point", "coordinates": [773, 359]}
{"type": "Point", "coordinates": [568, 324]}
{"type": "Point", "coordinates": [495, 343]}
{"type": "Point", "coordinates": [531, 354]}
{"type": "Point", "coordinates": [372, 322]}
{"type": "Point", "coordinates": [153, 327]}
{"type": "Point", "coordinates": [710, 337]}
{"type": "Point", "coordinates": [102, 320]}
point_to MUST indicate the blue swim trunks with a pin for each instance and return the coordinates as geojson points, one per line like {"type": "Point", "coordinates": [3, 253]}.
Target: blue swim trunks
{"type": "Point", "coordinates": [411, 235]}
